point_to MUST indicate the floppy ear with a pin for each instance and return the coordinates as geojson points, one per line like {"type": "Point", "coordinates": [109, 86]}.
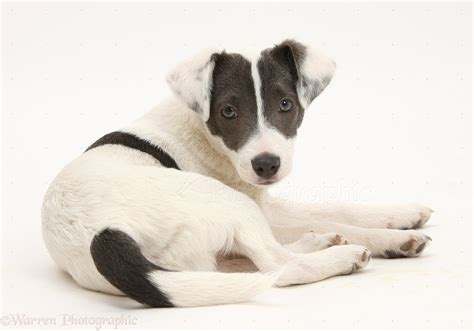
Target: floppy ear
{"type": "Point", "coordinates": [191, 81]}
{"type": "Point", "coordinates": [313, 69]}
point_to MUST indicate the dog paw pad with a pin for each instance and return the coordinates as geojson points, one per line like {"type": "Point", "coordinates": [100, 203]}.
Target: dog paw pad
{"type": "Point", "coordinates": [411, 248]}
{"type": "Point", "coordinates": [337, 240]}
{"type": "Point", "coordinates": [364, 259]}
{"type": "Point", "coordinates": [408, 245]}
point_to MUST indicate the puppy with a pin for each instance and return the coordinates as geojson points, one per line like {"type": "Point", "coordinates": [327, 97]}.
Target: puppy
{"type": "Point", "coordinates": [164, 208]}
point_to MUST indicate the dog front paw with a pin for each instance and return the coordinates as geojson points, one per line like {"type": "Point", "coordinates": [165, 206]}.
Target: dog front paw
{"type": "Point", "coordinates": [407, 216]}
{"type": "Point", "coordinates": [410, 246]}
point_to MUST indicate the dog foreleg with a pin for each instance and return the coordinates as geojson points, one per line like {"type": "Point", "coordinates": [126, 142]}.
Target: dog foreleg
{"type": "Point", "coordinates": [291, 221]}
{"type": "Point", "coordinates": [401, 216]}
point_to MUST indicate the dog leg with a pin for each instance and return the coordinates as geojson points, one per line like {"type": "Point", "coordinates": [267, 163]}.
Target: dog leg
{"type": "Point", "coordinates": [290, 221]}
{"type": "Point", "coordinates": [401, 216]}
{"type": "Point", "coordinates": [308, 243]}
{"type": "Point", "coordinates": [381, 242]}
{"type": "Point", "coordinates": [334, 261]}
{"type": "Point", "coordinates": [256, 242]}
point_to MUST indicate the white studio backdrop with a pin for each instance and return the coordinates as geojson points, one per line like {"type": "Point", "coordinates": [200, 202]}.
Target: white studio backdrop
{"type": "Point", "coordinates": [393, 125]}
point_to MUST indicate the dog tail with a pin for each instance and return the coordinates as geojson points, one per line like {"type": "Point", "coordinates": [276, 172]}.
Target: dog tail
{"type": "Point", "coordinates": [118, 258]}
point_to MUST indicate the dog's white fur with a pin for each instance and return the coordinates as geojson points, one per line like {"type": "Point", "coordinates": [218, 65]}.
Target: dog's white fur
{"type": "Point", "coordinates": [317, 66]}
{"type": "Point", "coordinates": [189, 220]}
{"type": "Point", "coordinates": [191, 81]}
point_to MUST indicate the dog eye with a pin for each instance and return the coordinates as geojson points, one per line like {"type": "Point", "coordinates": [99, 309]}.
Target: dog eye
{"type": "Point", "coordinates": [229, 112]}
{"type": "Point", "coordinates": [285, 105]}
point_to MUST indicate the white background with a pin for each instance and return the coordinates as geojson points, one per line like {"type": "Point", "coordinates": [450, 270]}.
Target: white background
{"type": "Point", "coordinates": [394, 125]}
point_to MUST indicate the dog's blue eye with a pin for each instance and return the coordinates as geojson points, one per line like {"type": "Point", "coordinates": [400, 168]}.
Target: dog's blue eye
{"type": "Point", "coordinates": [285, 105]}
{"type": "Point", "coordinates": [229, 112]}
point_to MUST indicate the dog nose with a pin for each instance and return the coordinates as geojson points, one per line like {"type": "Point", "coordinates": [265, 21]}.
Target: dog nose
{"type": "Point", "coordinates": [266, 165]}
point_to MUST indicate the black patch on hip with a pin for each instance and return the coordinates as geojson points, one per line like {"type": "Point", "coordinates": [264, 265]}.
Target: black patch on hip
{"type": "Point", "coordinates": [278, 70]}
{"type": "Point", "coordinates": [118, 258]}
{"type": "Point", "coordinates": [232, 86]}
{"type": "Point", "coordinates": [132, 141]}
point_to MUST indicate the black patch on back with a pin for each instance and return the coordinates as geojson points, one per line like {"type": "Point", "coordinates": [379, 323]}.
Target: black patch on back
{"type": "Point", "coordinates": [232, 86]}
{"type": "Point", "coordinates": [278, 70]}
{"type": "Point", "coordinates": [132, 141]}
{"type": "Point", "coordinates": [118, 258]}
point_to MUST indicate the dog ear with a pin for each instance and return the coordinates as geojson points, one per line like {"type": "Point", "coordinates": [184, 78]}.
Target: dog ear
{"type": "Point", "coordinates": [191, 81]}
{"type": "Point", "coordinates": [312, 69]}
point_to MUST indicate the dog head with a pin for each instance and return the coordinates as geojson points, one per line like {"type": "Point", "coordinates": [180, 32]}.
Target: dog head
{"type": "Point", "coordinates": [252, 104]}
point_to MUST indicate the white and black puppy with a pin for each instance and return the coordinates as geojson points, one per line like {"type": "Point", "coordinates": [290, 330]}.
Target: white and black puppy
{"type": "Point", "coordinates": [173, 209]}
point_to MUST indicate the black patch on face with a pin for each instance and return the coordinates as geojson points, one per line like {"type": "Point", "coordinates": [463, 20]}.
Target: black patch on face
{"type": "Point", "coordinates": [278, 70]}
{"type": "Point", "coordinates": [232, 86]}
{"type": "Point", "coordinates": [118, 258]}
{"type": "Point", "coordinates": [132, 141]}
